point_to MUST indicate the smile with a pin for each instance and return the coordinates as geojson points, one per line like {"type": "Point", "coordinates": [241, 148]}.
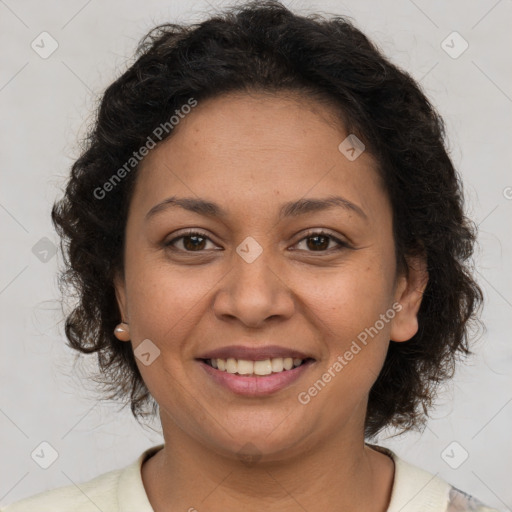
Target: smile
{"type": "Point", "coordinates": [247, 367]}
{"type": "Point", "coordinates": [255, 378]}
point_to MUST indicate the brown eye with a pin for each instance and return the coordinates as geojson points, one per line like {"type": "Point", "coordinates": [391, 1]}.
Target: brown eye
{"type": "Point", "coordinates": [320, 242]}
{"type": "Point", "coordinates": [190, 242]}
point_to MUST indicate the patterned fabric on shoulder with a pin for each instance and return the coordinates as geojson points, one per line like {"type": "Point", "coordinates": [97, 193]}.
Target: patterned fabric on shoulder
{"type": "Point", "coordinates": [459, 501]}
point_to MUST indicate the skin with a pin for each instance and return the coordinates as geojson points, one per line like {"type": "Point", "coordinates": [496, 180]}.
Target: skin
{"type": "Point", "coordinates": [250, 154]}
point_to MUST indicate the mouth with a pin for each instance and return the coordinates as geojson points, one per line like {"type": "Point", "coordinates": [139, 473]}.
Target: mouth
{"type": "Point", "coordinates": [254, 378]}
{"type": "Point", "coordinates": [257, 368]}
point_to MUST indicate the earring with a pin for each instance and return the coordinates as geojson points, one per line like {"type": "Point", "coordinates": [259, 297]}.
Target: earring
{"type": "Point", "coordinates": [121, 332]}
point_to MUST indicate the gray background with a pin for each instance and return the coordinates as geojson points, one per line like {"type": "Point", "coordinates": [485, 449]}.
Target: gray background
{"type": "Point", "coordinates": [45, 107]}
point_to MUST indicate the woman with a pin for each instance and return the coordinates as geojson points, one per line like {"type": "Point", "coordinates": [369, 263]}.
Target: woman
{"type": "Point", "coordinates": [269, 245]}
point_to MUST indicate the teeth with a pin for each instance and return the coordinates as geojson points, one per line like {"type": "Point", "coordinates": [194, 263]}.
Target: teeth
{"type": "Point", "coordinates": [231, 365]}
{"type": "Point", "coordinates": [277, 364]}
{"type": "Point", "coordinates": [245, 367]}
{"type": "Point", "coordinates": [288, 363]}
{"type": "Point", "coordinates": [264, 367]}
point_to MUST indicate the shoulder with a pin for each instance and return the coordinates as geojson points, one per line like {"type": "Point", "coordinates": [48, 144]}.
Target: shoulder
{"type": "Point", "coordinates": [459, 501]}
{"type": "Point", "coordinates": [118, 490]}
{"type": "Point", "coordinates": [417, 490]}
{"type": "Point", "coordinates": [93, 495]}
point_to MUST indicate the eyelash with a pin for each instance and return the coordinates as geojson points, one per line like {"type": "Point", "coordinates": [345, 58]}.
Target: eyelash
{"type": "Point", "coordinates": [309, 234]}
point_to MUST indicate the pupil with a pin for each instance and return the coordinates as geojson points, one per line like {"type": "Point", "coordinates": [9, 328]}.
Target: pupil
{"type": "Point", "coordinates": [318, 246]}
{"type": "Point", "coordinates": [194, 245]}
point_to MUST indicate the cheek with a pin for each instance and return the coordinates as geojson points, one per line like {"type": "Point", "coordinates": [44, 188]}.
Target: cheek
{"type": "Point", "coordinates": [164, 304]}
{"type": "Point", "coordinates": [353, 311]}
{"type": "Point", "coordinates": [164, 300]}
{"type": "Point", "coordinates": [348, 314]}
{"type": "Point", "coordinates": [349, 300]}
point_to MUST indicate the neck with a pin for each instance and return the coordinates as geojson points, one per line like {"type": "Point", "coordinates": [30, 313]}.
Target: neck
{"type": "Point", "coordinates": [338, 474]}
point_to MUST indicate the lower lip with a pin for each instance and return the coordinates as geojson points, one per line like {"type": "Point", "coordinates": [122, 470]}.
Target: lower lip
{"type": "Point", "coordinates": [260, 385]}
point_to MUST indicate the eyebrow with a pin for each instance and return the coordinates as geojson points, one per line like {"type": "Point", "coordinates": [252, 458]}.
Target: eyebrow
{"type": "Point", "coordinates": [290, 209]}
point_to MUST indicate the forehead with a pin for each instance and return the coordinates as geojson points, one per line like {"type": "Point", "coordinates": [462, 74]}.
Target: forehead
{"type": "Point", "coordinates": [257, 147]}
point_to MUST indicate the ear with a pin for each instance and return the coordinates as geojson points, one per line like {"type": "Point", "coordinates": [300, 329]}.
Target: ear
{"type": "Point", "coordinates": [120, 290]}
{"type": "Point", "coordinates": [409, 293]}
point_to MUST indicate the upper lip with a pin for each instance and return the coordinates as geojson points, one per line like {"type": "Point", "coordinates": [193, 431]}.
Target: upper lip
{"type": "Point", "coordinates": [254, 353]}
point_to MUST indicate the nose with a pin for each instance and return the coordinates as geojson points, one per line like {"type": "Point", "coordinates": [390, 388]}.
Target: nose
{"type": "Point", "coordinates": [254, 293]}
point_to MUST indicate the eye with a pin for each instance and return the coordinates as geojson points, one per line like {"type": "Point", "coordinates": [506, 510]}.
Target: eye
{"type": "Point", "coordinates": [319, 241]}
{"type": "Point", "coordinates": [316, 241]}
{"type": "Point", "coordinates": [192, 241]}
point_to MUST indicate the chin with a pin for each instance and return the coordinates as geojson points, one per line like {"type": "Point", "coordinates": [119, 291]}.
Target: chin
{"type": "Point", "coordinates": [263, 444]}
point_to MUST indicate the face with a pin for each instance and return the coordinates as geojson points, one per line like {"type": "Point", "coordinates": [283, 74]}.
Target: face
{"type": "Point", "coordinates": [270, 271]}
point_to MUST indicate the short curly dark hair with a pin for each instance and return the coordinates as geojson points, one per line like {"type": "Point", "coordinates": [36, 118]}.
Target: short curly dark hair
{"type": "Point", "coordinates": [263, 46]}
